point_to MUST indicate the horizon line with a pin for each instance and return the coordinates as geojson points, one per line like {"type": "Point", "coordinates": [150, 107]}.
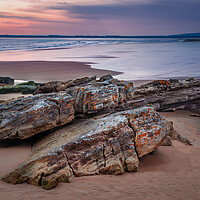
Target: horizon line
{"type": "Point", "coordinates": [105, 36]}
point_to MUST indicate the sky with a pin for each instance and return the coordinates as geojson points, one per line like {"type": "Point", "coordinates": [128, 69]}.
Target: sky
{"type": "Point", "coordinates": [99, 17]}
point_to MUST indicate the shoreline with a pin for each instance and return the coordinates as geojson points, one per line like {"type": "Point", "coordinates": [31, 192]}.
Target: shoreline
{"type": "Point", "coordinates": [45, 71]}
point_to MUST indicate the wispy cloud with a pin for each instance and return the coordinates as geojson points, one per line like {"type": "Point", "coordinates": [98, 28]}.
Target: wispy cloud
{"type": "Point", "coordinates": [29, 18]}
{"type": "Point", "coordinates": [102, 17]}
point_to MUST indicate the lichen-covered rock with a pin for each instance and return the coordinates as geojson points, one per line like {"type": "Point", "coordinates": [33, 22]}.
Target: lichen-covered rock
{"type": "Point", "coordinates": [28, 116]}
{"type": "Point", "coordinates": [149, 128]}
{"type": "Point", "coordinates": [90, 94]}
{"type": "Point", "coordinates": [168, 95]}
{"type": "Point", "coordinates": [109, 145]}
{"type": "Point", "coordinates": [90, 98]}
{"type": "Point", "coordinates": [56, 86]}
{"type": "Point", "coordinates": [100, 95]}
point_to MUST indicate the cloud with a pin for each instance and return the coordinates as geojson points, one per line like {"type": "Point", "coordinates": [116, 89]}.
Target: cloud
{"type": "Point", "coordinates": [8, 16]}
{"type": "Point", "coordinates": [154, 9]}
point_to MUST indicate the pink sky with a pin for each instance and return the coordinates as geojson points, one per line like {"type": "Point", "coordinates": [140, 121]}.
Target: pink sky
{"type": "Point", "coordinates": [92, 17]}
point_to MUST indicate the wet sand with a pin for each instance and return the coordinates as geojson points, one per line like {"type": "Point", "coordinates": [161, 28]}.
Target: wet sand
{"type": "Point", "coordinates": [170, 173]}
{"type": "Point", "coordinates": [44, 71]}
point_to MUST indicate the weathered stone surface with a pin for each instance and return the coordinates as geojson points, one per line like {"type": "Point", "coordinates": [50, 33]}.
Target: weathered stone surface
{"type": "Point", "coordinates": [25, 117]}
{"type": "Point", "coordinates": [167, 141]}
{"type": "Point", "coordinates": [56, 86]}
{"type": "Point", "coordinates": [105, 78]}
{"type": "Point", "coordinates": [90, 98]}
{"type": "Point", "coordinates": [172, 134]}
{"type": "Point", "coordinates": [6, 81]}
{"type": "Point", "coordinates": [168, 95]}
{"type": "Point", "coordinates": [92, 95]}
{"type": "Point", "coordinates": [109, 145]}
{"type": "Point", "coordinates": [149, 128]}
{"type": "Point", "coordinates": [100, 95]}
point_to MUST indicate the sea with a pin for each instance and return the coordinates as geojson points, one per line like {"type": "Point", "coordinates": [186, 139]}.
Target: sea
{"type": "Point", "coordinates": [136, 58]}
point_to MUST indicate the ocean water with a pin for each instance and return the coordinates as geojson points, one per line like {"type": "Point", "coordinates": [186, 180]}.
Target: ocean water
{"type": "Point", "coordinates": [137, 58]}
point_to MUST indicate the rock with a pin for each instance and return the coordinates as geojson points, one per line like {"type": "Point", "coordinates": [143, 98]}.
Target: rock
{"type": "Point", "coordinates": [91, 95]}
{"type": "Point", "coordinates": [6, 81]}
{"type": "Point", "coordinates": [109, 145]}
{"type": "Point", "coordinates": [100, 95]}
{"type": "Point", "coordinates": [24, 89]}
{"type": "Point", "coordinates": [167, 141]}
{"type": "Point", "coordinates": [184, 140]}
{"type": "Point", "coordinates": [25, 117]}
{"type": "Point", "coordinates": [172, 134]}
{"type": "Point", "coordinates": [106, 78]}
{"type": "Point", "coordinates": [56, 86]}
{"type": "Point", "coordinates": [91, 98]}
{"type": "Point", "coordinates": [149, 128]}
{"type": "Point", "coordinates": [168, 95]}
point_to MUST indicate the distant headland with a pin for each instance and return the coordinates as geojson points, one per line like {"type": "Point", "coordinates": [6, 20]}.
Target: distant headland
{"type": "Point", "coordinates": [184, 35]}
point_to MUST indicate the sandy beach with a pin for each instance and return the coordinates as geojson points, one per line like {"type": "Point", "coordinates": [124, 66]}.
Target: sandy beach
{"type": "Point", "coordinates": [44, 71]}
{"type": "Point", "coordinates": [172, 172]}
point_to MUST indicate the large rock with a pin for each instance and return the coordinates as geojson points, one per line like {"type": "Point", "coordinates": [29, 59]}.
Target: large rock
{"type": "Point", "coordinates": [56, 86]}
{"type": "Point", "coordinates": [90, 94]}
{"type": "Point", "coordinates": [96, 96]}
{"type": "Point", "coordinates": [6, 81]}
{"type": "Point", "coordinates": [168, 95]}
{"type": "Point", "coordinates": [25, 117]}
{"type": "Point", "coordinates": [109, 145]}
{"type": "Point", "coordinates": [149, 128]}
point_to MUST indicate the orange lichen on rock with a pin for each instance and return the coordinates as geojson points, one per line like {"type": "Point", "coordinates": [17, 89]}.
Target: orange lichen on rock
{"type": "Point", "coordinates": [109, 145]}
{"type": "Point", "coordinates": [25, 117]}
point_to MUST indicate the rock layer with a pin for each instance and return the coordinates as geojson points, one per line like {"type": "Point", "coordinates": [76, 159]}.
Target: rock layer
{"type": "Point", "coordinates": [56, 86]}
{"type": "Point", "coordinates": [25, 117]}
{"type": "Point", "coordinates": [109, 145]}
{"type": "Point", "coordinates": [96, 96]}
{"type": "Point", "coordinates": [168, 95]}
{"type": "Point", "coordinates": [90, 94]}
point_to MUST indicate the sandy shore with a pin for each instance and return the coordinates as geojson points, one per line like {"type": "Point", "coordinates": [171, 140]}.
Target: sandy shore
{"type": "Point", "coordinates": [44, 71]}
{"type": "Point", "coordinates": [170, 173]}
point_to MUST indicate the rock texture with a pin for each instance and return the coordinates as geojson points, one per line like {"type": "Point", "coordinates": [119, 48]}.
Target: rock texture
{"type": "Point", "coordinates": [109, 145]}
{"type": "Point", "coordinates": [163, 95]}
{"type": "Point", "coordinates": [6, 81]}
{"type": "Point", "coordinates": [56, 86]}
{"type": "Point", "coordinates": [92, 95]}
{"type": "Point", "coordinates": [96, 96]}
{"type": "Point", "coordinates": [25, 117]}
{"type": "Point", "coordinates": [168, 95]}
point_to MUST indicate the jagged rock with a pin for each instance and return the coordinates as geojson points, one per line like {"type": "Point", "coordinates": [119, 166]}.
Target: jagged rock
{"type": "Point", "coordinates": [28, 116]}
{"type": "Point", "coordinates": [167, 141]}
{"type": "Point", "coordinates": [149, 127]}
{"type": "Point", "coordinates": [184, 140]}
{"type": "Point", "coordinates": [6, 81]}
{"type": "Point", "coordinates": [172, 134]}
{"type": "Point", "coordinates": [168, 95]}
{"type": "Point", "coordinates": [92, 95]}
{"type": "Point", "coordinates": [109, 145]}
{"type": "Point", "coordinates": [100, 95]}
{"type": "Point", "coordinates": [90, 98]}
{"type": "Point", "coordinates": [106, 77]}
{"type": "Point", "coordinates": [56, 86]}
